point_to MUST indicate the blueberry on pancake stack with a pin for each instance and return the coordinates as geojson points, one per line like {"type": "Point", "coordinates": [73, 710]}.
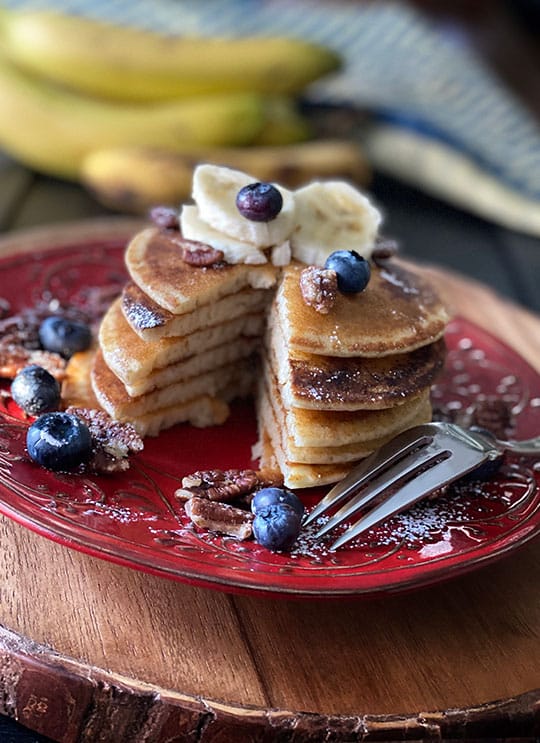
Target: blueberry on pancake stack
{"type": "Point", "coordinates": [279, 290]}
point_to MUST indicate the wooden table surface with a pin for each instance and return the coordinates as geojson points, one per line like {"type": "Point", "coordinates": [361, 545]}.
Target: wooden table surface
{"type": "Point", "coordinates": [90, 651]}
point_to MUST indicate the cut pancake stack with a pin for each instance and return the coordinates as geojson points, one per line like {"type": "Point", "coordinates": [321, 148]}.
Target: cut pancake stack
{"type": "Point", "coordinates": [334, 381]}
{"type": "Point", "coordinates": [180, 341]}
{"type": "Point", "coordinates": [336, 386]}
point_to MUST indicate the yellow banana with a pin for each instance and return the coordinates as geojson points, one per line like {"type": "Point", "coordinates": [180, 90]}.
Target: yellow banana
{"type": "Point", "coordinates": [283, 122]}
{"type": "Point", "coordinates": [52, 130]}
{"type": "Point", "coordinates": [136, 65]}
{"type": "Point", "coordinates": [133, 179]}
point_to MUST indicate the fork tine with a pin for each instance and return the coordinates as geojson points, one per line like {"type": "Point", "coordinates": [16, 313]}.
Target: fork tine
{"type": "Point", "coordinates": [385, 457]}
{"type": "Point", "coordinates": [443, 473]}
{"type": "Point", "coordinates": [416, 460]}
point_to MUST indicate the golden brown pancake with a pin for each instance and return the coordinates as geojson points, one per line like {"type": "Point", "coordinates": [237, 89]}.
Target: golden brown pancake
{"type": "Point", "coordinates": [315, 428]}
{"type": "Point", "coordinates": [330, 452]}
{"type": "Point", "coordinates": [151, 322]}
{"type": "Point", "coordinates": [351, 383]}
{"type": "Point", "coordinates": [200, 412]}
{"type": "Point", "coordinates": [154, 262]}
{"type": "Point", "coordinates": [295, 474]}
{"type": "Point", "coordinates": [398, 312]}
{"type": "Point", "coordinates": [112, 396]}
{"type": "Point", "coordinates": [76, 386]}
{"type": "Point", "coordinates": [132, 360]}
{"type": "Point", "coordinates": [197, 364]}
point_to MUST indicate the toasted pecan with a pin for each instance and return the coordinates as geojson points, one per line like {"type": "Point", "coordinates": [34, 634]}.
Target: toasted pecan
{"type": "Point", "coordinates": [495, 415]}
{"type": "Point", "coordinates": [226, 485]}
{"type": "Point", "coordinates": [218, 485]}
{"type": "Point", "coordinates": [385, 248]}
{"type": "Point", "coordinates": [112, 442]}
{"type": "Point", "coordinates": [319, 288]}
{"type": "Point", "coordinates": [14, 357]}
{"type": "Point", "coordinates": [220, 517]}
{"type": "Point", "coordinates": [200, 255]}
{"type": "Point", "coordinates": [165, 217]}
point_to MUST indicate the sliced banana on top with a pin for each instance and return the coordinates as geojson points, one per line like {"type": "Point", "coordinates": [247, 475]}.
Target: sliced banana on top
{"type": "Point", "coordinates": [332, 215]}
{"type": "Point", "coordinates": [234, 251]}
{"type": "Point", "coordinates": [214, 192]}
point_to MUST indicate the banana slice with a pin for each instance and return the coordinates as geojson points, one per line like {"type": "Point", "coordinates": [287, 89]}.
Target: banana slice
{"type": "Point", "coordinates": [214, 191]}
{"type": "Point", "coordinates": [234, 251]}
{"type": "Point", "coordinates": [332, 215]}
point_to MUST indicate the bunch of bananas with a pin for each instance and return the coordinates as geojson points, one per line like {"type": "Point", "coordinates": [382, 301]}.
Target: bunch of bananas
{"type": "Point", "coordinates": [129, 113]}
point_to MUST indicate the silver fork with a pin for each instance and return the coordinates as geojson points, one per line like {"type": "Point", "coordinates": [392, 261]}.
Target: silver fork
{"type": "Point", "coordinates": [407, 469]}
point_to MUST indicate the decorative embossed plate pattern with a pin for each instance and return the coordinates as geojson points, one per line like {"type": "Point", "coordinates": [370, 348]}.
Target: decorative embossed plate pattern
{"type": "Point", "coordinates": [133, 518]}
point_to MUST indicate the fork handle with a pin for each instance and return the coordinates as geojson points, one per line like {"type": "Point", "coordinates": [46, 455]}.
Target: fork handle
{"type": "Point", "coordinates": [528, 446]}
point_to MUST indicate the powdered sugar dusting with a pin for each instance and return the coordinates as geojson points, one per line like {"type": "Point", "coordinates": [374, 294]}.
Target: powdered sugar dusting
{"type": "Point", "coordinates": [430, 526]}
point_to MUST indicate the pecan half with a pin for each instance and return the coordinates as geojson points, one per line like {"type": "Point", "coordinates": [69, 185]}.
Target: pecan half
{"type": "Point", "coordinates": [112, 442]}
{"type": "Point", "coordinates": [385, 248]}
{"type": "Point", "coordinates": [319, 288]}
{"type": "Point", "coordinates": [14, 357]}
{"type": "Point", "coordinates": [218, 485]}
{"type": "Point", "coordinates": [20, 330]}
{"type": "Point", "coordinates": [226, 485]}
{"type": "Point", "coordinates": [165, 217]}
{"type": "Point", "coordinates": [220, 517]}
{"type": "Point", "coordinates": [269, 478]}
{"type": "Point", "coordinates": [200, 255]}
{"type": "Point", "coordinates": [495, 415]}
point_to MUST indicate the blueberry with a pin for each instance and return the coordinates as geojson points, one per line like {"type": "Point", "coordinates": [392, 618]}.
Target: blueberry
{"type": "Point", "coordinates": [353, 271]}
{"type": "Point", "coordinates": [271, 496]}
{"type": "Point", "coordinates": [35, 390]}
{"type": "Point", "coordinates": [63, 336]}
{"type": "Point", "coordinates": [59, 441]}
{"type": "Point", "coordinates": [276, 526]}
{"type": "Point", "coordinates": [259, 202]}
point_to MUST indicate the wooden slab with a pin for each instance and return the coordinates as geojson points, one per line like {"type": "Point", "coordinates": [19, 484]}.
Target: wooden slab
{"type": "Point", "coordinates": [92, 651]}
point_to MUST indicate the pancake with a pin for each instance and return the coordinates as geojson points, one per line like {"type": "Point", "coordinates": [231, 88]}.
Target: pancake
{"type": "Point", "coordinates": [315, 428]}
{"type": "Point", "coordinates": [196, 364]}
{"type": "Point", "coordinates": [132, 360]}
{"type": "Point", "coordinates": [345, 383]}
{"type": "Point", "coordinates": [77, 386]}
{"type": "Point", "coordinates": [151, 322]}
{"type": "Point", "coordinates": [112, 396]}
{"type": "Point", "coordinates": [329, 452]}
{"type": "Point", "coordinates": [154, 262]}
{"type": "Point", "coordinates": [295, 474]}
{"type": "Point", "coordinates": [200, 412]}
{"type": "Point", "coordinates": [397, 313]}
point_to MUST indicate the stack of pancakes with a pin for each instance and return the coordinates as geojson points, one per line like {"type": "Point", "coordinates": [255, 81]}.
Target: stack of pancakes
{"type": "Point", "coordinates": [180, 341]}
{"type": "Point", "coordinates": [184, 340]}
{"type": "Point", "coordinates": [337, 386]}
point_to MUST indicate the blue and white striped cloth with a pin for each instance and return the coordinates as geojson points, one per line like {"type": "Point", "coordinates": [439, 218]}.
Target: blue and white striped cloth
{"type": "Point", "coordinates": [396, 65]}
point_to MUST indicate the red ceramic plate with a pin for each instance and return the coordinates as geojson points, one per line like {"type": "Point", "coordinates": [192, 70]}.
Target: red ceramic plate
{"type": "Point", "coordinates": [134, 519]}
